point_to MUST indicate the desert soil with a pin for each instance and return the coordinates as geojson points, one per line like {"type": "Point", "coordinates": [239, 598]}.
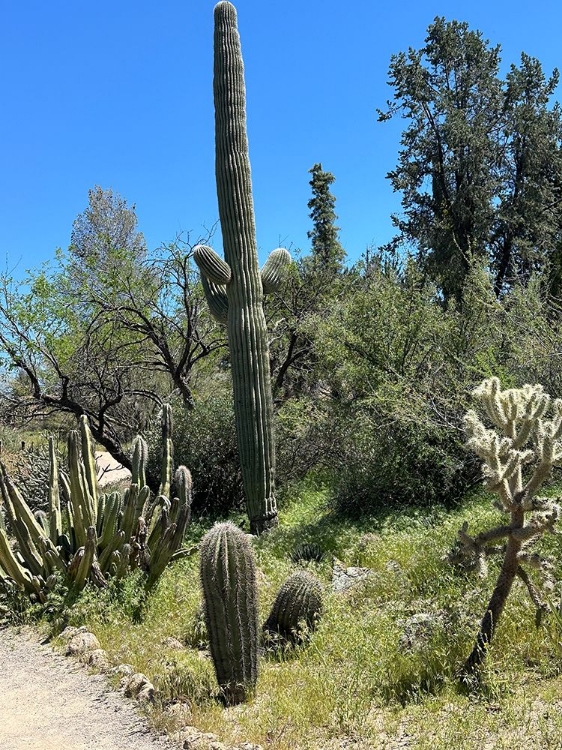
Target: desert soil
{"type": "Point", "coordinates": [109, 470]}
{"type": "Point", "coordinates": [50, 702]}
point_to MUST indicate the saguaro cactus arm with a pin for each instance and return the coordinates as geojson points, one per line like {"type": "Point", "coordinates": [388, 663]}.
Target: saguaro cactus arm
{"type": "Point", "coordinates": [212, 265]}
{"type": "Point", "coordinates": [217, 299]}
{"type": "Point", "coordinates": [274, 270]}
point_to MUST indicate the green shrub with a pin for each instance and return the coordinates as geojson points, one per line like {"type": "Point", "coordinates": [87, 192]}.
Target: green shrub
{"type": "Point", "coordinates": [205, 441]}
{"type": "Point", "coordinates": [387, 461]}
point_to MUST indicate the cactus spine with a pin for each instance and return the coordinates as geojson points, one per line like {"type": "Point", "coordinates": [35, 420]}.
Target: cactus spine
{"type": "Point", "coordinates": [296, 608]}
{"type": "Point", "coordinates": [235, 288]}
{"type": "Point", "coordinates": [228, 579]}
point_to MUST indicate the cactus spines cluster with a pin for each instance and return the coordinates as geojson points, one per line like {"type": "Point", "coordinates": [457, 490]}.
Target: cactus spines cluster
{"type": "Point", "coordinates": [107, 535]}
{"type": "Point", "coordinates": [228, 581]}
{"type": "Point", "coordinates": [296, 608]}
{"type": "Point", "coordinates": [234, 287]}
{"type": "Point", "coordinates": [518, 454]}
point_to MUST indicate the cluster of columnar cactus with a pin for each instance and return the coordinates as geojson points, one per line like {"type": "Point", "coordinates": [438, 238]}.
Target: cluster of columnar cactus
{"type": "Point", "coordinates": [518, 455]}
{"type": "Point", "coordinates": [296, 608]}
{"type": "Point", "coordinates": [228, 580]}
{"type": "Point", "coordinates": [98, 535]}
{"type": "Point", "coordinates": [234, 287]}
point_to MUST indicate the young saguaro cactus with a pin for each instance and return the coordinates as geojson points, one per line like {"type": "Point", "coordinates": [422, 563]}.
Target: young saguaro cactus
{"type": "Point", "coordinates": [234, 287]}
{"type": "Point", "coordinates": [228, 580]}
{"type": "Point", "coordinates": [518, 456]}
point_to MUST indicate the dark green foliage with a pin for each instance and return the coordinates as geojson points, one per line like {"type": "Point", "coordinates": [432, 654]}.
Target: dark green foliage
{"type": "Point", "coordinates": [205, 440]}
{"type": "Point", "coordinates": [387, 460]}
{"type": "Point", "coordinates": [228, 580]}
{"type": "Point", "coordinates": [327, 252]}
{"type": "Point", "coordinates": [296, 608]}
{"type": "Point", "coordinates": [481, 165]}
{"type": "Point", "coordinates": [308, 552]}
{"type": "Point", "coordinates": [309, 289]}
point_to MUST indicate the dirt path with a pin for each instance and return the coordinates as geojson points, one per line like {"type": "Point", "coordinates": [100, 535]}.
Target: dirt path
{"type": "Point", "coordinates": [49, 702]}
{"type": "Point", "coordinates": [109, 470]}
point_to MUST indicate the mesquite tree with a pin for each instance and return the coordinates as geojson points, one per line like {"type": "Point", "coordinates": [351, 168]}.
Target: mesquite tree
{"type": "Point", "coordinates": [518, 455]}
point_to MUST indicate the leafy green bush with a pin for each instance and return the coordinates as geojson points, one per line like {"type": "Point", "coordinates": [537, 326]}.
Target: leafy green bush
{"type": "Point", "coordinates": [395, 368]}
{"type": "Point", "coordinates": [205, 441]}
{"type": "Point", "coordinates": [388, 461]}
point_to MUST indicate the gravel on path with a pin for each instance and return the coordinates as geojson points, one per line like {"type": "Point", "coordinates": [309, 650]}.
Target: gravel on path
{"type": "Point", "coordinates": [50, 702]}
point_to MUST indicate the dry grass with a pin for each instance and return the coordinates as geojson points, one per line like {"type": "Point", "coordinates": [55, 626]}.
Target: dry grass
{"type": "Point", "coordinates": [358, 683]}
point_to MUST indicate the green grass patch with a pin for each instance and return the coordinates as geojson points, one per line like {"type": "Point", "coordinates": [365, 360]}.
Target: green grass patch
{"type": "Point", "coordinates": [381, 665]}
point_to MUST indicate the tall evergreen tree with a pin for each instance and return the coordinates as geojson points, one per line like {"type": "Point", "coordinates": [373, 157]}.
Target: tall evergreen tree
{"type": "Point", "coordinates": [480, 170]}
{"type": "Point", "coordinates": [326, 248]}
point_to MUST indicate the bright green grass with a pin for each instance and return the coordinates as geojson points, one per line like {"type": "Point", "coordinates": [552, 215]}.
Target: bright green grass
{"type": "Point", "coordinates": [356, 679]}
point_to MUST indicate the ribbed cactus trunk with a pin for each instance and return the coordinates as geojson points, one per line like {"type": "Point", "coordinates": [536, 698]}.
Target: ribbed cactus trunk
{"type": "Point", "coordinates": [246, 321]}
{"type": "Point", "coordinates": [228, 580]}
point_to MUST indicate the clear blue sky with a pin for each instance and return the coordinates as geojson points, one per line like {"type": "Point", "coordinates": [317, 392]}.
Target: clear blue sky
{"type": "Point", "coordinates": [119, 94]}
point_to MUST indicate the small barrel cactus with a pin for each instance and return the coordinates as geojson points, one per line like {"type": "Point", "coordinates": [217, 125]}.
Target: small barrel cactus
{"type": "Point", "coordinates": [228, 580]}
{"type": "Point", "coordinates": [296, 608]}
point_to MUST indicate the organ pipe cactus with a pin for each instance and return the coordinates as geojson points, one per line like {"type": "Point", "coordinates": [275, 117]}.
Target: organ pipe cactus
{"type": "Point", "coordinates": [166, 466]}
{"type": "Point", "coordinates": [518, 455]}
{"type": "Point", "coordinates": [228, 580]}
{"type": "Point", "coordinates": [106, 534]}
{"type": "Point", "coordinates": [296, 608]}
{"type": "Point", "coordinates": [234, 286]}
{"type": "Point", "coordinates": [55, 518]}
{"type": "Point", "coordinates": [172, 535]}
{"type": "Point", "coordinates": [140, 460]}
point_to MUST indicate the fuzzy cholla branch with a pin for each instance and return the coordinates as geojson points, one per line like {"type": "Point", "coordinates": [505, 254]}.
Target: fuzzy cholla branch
{"type": "Point", "coordinates": [518, 453]}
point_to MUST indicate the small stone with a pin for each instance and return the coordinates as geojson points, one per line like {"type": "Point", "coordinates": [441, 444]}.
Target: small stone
{"type": "Point", "coordinates": [173, 643]}
{"type": "Point", "coordinates": [134, 684]}
{"type": "Point", "coordinates": [97, 658]}
{"type": "Point", "coordinates": [344, 578]}
{"type": "Point", "coordinates": [80, 643]}
{"type": "Point", "coordinates": [193, 739]}
{"type": "Point", "coordinates": [125, 670]}
{"type": "Point", "coordinates": [71, 631]}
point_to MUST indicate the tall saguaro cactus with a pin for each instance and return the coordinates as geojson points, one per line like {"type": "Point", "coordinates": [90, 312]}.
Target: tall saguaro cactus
{"type": "Point", "coordinates": [235, 287]}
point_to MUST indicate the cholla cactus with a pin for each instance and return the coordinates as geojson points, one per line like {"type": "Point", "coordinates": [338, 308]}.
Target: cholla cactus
{"type": "Point", "coordinates": [518, 457]}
